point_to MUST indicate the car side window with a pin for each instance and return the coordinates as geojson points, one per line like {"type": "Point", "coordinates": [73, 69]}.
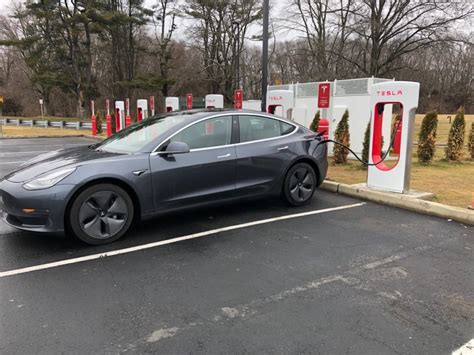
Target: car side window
{"type": "Point", "coordinates": [209, 133]}
{"type": "Point", "coordinates": [254, 128]}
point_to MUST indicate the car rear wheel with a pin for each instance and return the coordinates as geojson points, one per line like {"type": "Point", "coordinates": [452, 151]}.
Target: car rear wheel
{"type": "Point", "coordinates": [299, 184]}
{"type": "Point", "coordinates": [101, 214]}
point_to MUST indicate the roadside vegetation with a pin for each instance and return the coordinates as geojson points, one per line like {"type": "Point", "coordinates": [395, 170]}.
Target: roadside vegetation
{"type": "Point", "coordinates": [427, 138]}
{"type": "Point", "coordinates": [14, 131]}
{"type": "Point", "coordinates": [451, 182]}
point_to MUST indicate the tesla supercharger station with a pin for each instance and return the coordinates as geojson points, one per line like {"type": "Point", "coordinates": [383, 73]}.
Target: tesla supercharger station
{"type": "Point", "coordinates": [172, 104]}
{"type": "Point", "coordinates": [214, 101]}
{"type": "Point", "coordinates": [119, 115]}
{"type": "Point", "coordinates": [280, 102]}
{"type": "Point", "coordinates": [392, 178]}
{"type": "Point", "coordinates": [142, 110]}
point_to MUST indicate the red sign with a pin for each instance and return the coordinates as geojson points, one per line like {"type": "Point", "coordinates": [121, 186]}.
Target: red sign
{"type": "Point", "coordinates": [238, 99]}
{"type": "Point", "coordinates": [324, 95]}
{"type": "Point", "coordinates": [189, 101]}
{"type": "Point", "coordinates": [152, 103]}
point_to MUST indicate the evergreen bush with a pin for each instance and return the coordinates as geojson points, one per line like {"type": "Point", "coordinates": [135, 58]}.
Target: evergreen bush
{"type": "Point", "coordinates": [366, 144]}
{"type": "Point", "coordinates": [470, 142]}
{"type": "Point", "coordinates": [315, 124]}
{"type": "Point", "coordinates": [342, 135]}
{"type": "Point", "coordinates": [456, 137]}
{"type": "Point", "coordinates": [98, 120]}
{"type": "Point", "coordinates": [427, 138]}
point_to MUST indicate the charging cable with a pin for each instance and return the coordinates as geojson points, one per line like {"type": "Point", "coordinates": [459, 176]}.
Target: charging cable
{"type": "Point", "coordinates": [392, 141]}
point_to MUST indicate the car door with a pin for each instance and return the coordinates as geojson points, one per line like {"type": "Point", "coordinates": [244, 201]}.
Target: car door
{"type": "Point", "coordinates": [263, 153]}
{"type": "Point", "coordinates": [205, 174]}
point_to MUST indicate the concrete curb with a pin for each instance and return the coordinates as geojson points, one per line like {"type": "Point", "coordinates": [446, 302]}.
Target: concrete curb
{"type": "Point", "coordinates": [401, 201]}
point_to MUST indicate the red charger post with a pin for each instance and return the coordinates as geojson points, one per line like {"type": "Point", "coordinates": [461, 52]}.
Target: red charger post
{"type": "Point", "coordinates": [324, 127]}
{"type": "Point", "coordinates": [128, 119]}
{"type": "Point", "coordinates": [238, 99]}
{"type": "Point", "coordinates": [93, 120]}
{"type": "Point", "coordinates": [108, 118]}
{"type": "Point", "coordinates": [398, 136]}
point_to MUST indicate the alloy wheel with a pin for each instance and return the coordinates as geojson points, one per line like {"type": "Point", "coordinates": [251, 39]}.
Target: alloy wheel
{"type": "Point", "coordinates": [103, 214]}
{"type": "Point", "coordinates": [301, 184]}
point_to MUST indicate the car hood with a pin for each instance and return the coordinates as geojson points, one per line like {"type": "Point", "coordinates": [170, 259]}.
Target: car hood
{"type": "Point", "coordinates": [55, 160]}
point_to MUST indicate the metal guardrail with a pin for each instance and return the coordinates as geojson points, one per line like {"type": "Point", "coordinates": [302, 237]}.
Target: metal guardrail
{"type": "Point", "coordinates": [47, 123]}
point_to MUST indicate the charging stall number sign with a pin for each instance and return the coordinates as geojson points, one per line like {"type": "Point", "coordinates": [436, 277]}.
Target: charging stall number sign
{"type": "Point", "coordinates": [323, 95]}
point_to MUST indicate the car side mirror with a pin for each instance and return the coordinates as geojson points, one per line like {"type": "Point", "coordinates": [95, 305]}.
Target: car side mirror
{"type": "Point", "coordinates": [175, 148]}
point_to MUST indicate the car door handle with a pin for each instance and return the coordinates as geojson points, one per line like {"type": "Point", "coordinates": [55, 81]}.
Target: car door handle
{"type": "Point", "coordinates": [224, 156]}
{"type": "Point", "coordinates": [283, 148]}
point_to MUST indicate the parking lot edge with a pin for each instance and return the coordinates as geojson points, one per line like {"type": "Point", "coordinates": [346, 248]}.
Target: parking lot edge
{"type": "Point", "coordinates": [401, 201]}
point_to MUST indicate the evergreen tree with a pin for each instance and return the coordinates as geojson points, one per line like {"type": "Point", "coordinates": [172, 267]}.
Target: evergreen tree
{"type": "Point", "coordinates": [366, 144]}
{"type": "Point", "coordinates": [470, 142]}
{"type": "Point", "coordinates": [342, 135]}
{"type": "Point", "coordinates": [315, 124]}
{"type": "Point", "coordinates": [427, 138]}
{"type": "Point", "coordinates": [456, 137]}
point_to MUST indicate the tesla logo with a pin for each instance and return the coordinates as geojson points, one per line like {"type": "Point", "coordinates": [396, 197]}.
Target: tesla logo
{"type": "Point", "coordinates": [276, 98]}
{"type": "Point", "coordinates": [390, 93]}
{"type": "Point", "coordinates": [324, 88]}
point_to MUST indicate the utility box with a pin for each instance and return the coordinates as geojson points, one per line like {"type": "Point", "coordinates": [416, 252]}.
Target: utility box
{"type": "Point", "coordinates": [119, 115]}
{"type": "Point", "coordinates": [172, 104]}
{"type": "Point", "coordinates": [214, 101]}
{"type": "Point", "coordinates": [395, 178]}
{"type": "Point", "coordinates": [142, 110]}
{"type": "Point", "coordinates": [280, 102]}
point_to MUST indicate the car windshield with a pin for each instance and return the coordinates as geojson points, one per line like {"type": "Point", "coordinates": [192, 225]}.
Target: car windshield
{"type": "Point", "coordinates": [139, 135]}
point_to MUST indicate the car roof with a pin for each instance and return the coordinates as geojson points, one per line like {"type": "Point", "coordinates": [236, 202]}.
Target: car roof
{"type": "Point", "coordinates": [199, 114]}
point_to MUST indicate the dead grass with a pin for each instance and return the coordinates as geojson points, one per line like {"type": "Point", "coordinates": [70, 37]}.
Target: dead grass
{"type": "Point", "coordinates": [443, 127]}
{"type": "Point", "coordinates": [13, 131]}
{"type": "Point", "coordinates": [452, 183]}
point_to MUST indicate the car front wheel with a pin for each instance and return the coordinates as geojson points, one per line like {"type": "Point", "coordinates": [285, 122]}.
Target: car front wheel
{"type": "Point", "coordinates": [101, 214]}
{"type": "Point", "coordinates": [299, 184]}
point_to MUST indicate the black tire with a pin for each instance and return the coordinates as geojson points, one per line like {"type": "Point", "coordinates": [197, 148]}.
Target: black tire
{"type": "Point", "coordinates": [299, 184]}
{"type": "Point", "coordinates": [101, 214]}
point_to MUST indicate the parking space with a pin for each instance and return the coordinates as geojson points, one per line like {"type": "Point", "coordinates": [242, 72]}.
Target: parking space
{"type": "Point", "coordinates": [336, 276]}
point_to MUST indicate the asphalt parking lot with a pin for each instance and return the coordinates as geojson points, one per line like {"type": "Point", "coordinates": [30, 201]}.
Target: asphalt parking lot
{"type": "Point", "coordinates": [336, 276]}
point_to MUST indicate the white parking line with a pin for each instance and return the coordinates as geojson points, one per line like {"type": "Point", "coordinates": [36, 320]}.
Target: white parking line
{"type": "Point", "coordinates": [466, 349]}
{"type": "Point", "coordinates": [170, 241]}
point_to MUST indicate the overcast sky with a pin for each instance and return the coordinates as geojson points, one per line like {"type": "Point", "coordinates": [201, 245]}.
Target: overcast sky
{"type": "Point", "coordinates": [276, 5]}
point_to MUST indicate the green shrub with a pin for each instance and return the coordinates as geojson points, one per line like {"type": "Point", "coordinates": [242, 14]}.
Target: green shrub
{"type": "Point", "coordinates": [456, 137]}
{"type": "Point", "coordinates": [315, 124]}
{"type": "Point", "coordinates": [113, 125]}
{"type": "Point", "coordinates": [470, 143]}
{"type": "Point", "coordinates": [366, 144]}
{"type": "Point", "coordinates": [98, 119]}
{"type": "Point", "coordinates": [341, 135]}
{"type": "Point", "coordinates": [427, 138]}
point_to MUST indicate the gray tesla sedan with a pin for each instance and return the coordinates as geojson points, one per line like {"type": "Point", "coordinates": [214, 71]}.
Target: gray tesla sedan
{"type": "Point", "coordinates": [164, 163]}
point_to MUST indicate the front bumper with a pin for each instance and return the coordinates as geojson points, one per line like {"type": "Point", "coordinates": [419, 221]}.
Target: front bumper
{"type": "Point", "coordinates": [49, 206]}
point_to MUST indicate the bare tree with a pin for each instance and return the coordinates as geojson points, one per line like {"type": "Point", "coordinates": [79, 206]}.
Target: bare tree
{"type": "Point", "coordinates": [219, 29]}
{"type": "Point", "coordinates": [389, 29]}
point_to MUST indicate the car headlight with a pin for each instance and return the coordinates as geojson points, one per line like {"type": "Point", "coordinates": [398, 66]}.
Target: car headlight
{"type": "Point", "coordinates": [48, 180]}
